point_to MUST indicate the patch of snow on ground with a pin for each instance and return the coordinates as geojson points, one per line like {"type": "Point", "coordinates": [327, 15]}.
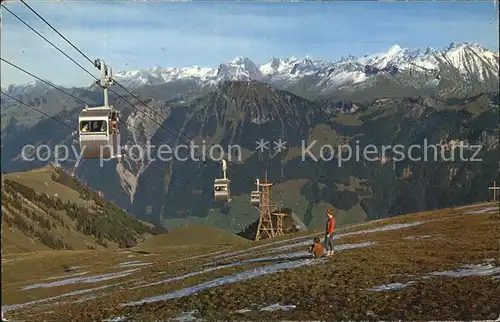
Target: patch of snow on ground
{"type": "Point", "coordinates": [382, 228]}
{"type": "Point", "coordinates": [244, 311]}
{"type": "Point", "coordinates": [134, 263]}
{"type": "Point", "coordinates": [470, 206]}
{"type": "Point", "coordinates": [10, 260]}
{"type": "Point", "coordinates": [117, 319]}
{"type": "Point", "coordinates": [390, 287]}
{"type": "Point", "coordinates": [471, 270]}
{"type": "Point", "coordinates": [278, 307]}
{"type": "Point", "coordinates": [418, 237]}
{"type": "Point", "coordinates": [181, 277]}
{"type": "Point", "coordinates": [14, 307]}
{"type": "Point", "coordinates": [187, 316]}
{"type": "Point", "coordinates": [65, 276]}
{"type": "Point", "coordinates": [482, 211]}
{"type": "Point", "coordinates": [89, 279]}
{"type": "Point", "coordinates": [87, 298]}
{"type": "Point", "coordinates": [234, 278]}
{"type": "Point", "coordinates": [140, 282]}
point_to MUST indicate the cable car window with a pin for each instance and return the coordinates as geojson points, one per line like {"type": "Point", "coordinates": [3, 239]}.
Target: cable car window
{"type": "Point", "coordinates": [93, 126]}
{"type": "Point", "coordinates": [84, 126]}
{"type": "Point", "coordinates": [98, 126]}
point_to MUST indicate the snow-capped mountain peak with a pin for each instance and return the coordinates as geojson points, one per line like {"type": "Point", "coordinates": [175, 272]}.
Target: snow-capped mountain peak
{"type": "Point", "coordinates": [35, 85]}
{"type": "Point", "coordinates": [469, 59]}
{"type": "Point", "coordinates": [394, 50]}
{"type": "Point", "coordinates": [240, 68]}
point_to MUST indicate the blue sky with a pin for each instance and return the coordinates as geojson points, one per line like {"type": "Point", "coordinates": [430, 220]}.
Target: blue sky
{"type": "Point", "coordinates": [132, 35]}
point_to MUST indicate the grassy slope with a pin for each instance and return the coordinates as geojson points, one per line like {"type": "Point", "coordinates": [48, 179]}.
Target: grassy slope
{"type": "Point", "coordinates": [193, 236]}
{"type": "Point", "coordinates": [333, 290]}
{"type": "Point", "coordinates": [32, 225]}
{"type": "Point", "coordinates": [41, 180]}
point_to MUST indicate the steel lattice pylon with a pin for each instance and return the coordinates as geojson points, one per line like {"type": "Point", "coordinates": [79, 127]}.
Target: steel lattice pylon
{"type": "Point", "coordinates": [265, 227]}
{"type": "Point", "coordinates": [279, 224]}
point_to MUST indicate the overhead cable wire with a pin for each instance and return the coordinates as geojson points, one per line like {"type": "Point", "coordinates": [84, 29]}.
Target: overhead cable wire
{"type": "Point", "coordinates": [90, 60]}
{"type": "Point", "coordinates": [83, 68]}
{"type": "Point", "coordinates": [74, 128]}
{"type": "Point", "coordinates": [132, 62]}
{"type": "Point", "coordinates": [69, 94]}
{"type": "Point", "coordinates": [56, 31]}
{"type": "Point", "coordinates": [41, 36]}
{"type": "Point", "coordinates": [43, 81]}
{"type": "Point", "coordinates": [121, 86]}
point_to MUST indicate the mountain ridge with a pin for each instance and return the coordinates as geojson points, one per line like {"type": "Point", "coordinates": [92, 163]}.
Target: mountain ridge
{"type": "Point", "coordinates": [457, 65]}
{"type": "Point", "coordinates": [344, 71]}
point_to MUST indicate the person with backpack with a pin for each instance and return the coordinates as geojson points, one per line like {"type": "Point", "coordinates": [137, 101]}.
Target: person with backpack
{"type": "Point", "coordinates": [330, 228]}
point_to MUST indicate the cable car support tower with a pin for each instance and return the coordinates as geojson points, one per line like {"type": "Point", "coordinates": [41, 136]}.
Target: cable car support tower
{"type": "Point", "coordinates": [265, 227]}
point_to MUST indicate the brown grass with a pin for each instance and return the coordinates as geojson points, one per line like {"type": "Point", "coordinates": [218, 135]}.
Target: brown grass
{"type": "Point", "coordinates": [337, 289]}
{"type": "Point", "coordinates": [192, 236]}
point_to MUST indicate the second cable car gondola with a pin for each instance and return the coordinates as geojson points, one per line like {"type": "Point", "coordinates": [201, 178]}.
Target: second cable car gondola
{"type": "Point", "coordinates": [255, 196]}
{"type": "Point", "coordinates": [99, 133]}
{"type": "Point", "coordinates": [222, 191]}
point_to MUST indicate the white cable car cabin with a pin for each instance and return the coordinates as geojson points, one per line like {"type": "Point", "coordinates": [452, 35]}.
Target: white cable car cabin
{"type": "Point", "coordinates": [222, 191]}
{"type": "Point", "coordinates": [99, 133]}
{"type": "Point", "coordinates": [255, 196]}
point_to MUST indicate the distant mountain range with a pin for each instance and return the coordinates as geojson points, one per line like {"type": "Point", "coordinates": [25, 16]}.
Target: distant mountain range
{"type": "Point", "coordinates": [472, 62]}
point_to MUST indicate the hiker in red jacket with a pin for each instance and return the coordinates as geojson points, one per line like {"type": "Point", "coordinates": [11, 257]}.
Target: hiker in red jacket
{"type": "Point", "coordinates": [330, 227]}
